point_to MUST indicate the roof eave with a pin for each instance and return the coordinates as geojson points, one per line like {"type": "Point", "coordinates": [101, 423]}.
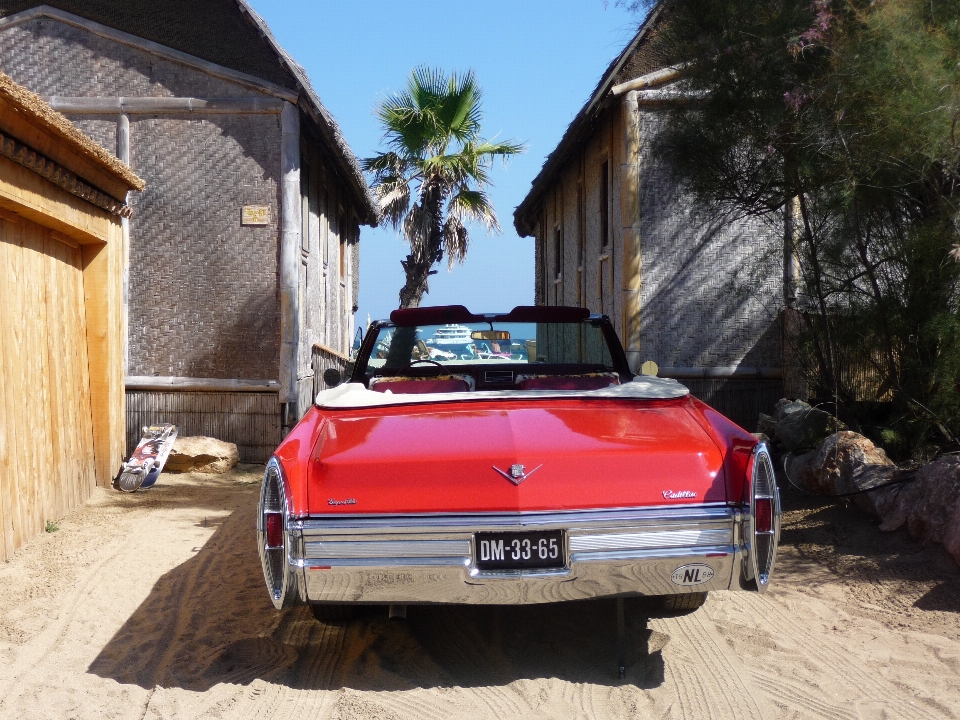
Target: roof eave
{"type": "Point", "coordinates": [368, 209]}
{"type": "Point", "coordinates": [524, 217]}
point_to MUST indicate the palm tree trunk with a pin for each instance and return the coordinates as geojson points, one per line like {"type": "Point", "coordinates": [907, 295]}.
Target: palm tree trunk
{"type": "Point", "coordinates": [420, 260]}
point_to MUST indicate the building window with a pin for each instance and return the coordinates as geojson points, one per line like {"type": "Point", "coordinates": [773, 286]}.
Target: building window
{"type": "Point", "coordinates": [581, 242]}
{"type": "Point", "coordinates": [605, 204]}
{"type": "Point", "coordinates": [304, 205]}
{"type": "Point", "coordinates": [557, 253]}
{"type": "Point", "coordinates": [342, 227]}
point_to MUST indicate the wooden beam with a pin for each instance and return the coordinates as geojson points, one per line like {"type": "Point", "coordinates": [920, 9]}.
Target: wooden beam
{"type": "Point", "coordinates": [102, 291]}
{"type": "Point", "coordinates": [181, 384]}
{"type": "Point", "coordinates": [160, 105]}
{"type": "Point", "coordinates": [35, 198]}
{"type": "Point", "coordinates": [18, 126]}
{"type": "Point", "coordinates": [654, 79]}
{"type": "Point", "coordinates": [290, 224]}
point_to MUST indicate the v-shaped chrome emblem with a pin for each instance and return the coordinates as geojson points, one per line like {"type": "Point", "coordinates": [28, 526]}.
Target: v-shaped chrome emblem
{"type": "Point", "coordinates": [517, 473]}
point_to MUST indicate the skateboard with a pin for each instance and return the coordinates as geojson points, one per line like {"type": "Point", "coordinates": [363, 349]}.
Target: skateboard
{"type": "Point", "coordinates": [146, 463]}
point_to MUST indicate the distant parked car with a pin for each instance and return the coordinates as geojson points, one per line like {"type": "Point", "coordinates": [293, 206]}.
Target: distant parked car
{"type": "Point", "coordinates": [513, 478]}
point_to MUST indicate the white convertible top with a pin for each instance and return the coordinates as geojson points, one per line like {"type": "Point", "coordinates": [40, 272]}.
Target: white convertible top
{"type": "Point", "coordinates": [355, 395]}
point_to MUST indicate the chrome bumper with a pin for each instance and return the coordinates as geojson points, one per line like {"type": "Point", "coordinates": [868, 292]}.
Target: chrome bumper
{"type": "Point", "coordinates": [430, 558]}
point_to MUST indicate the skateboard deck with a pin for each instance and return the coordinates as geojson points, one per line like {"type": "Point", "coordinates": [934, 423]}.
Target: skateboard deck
{"type": "Point", "coordinates": [146, 463]}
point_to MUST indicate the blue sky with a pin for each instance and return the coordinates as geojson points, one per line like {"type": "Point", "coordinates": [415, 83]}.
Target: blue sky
{"type": "Point", "coordinates": [537, 62]}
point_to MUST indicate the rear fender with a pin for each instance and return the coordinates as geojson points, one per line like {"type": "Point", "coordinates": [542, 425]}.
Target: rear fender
{"type": "Point", "coordinates": [294, 455]}
{"type": "Point", "coordinates": [735, 444]}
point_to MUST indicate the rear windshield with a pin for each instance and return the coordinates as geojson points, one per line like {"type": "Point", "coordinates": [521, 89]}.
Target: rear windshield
{"type": "Point", "coordinates": [490, 343]}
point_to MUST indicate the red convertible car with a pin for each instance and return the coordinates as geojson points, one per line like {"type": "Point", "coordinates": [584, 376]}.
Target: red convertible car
{"type": "Point", "coordinates": [544, 471]}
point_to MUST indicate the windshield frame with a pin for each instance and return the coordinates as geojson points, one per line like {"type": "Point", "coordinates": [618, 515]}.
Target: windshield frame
{"type": "Point", "coordinates": [617, 355]}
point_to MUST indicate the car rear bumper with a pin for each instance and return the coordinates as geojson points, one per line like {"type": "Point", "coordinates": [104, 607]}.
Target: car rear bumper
{"type": "Point", "coordinates": [431, 558]}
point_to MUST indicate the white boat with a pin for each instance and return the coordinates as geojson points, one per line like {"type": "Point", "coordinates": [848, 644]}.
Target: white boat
{"type": "Point", "coordinates": [450, 335]}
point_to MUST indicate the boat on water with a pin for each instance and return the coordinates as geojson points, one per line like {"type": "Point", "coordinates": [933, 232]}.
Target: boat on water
{"type": "Point", "coordinates": [450, 335]}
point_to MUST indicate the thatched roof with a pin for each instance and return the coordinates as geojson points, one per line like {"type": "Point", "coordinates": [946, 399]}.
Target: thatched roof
{"type": "Point", "coordinates": [228, 33]}
{"type": "Point", "coordinates": [642, 55]}
{"type": "Point", "coordinates": [41, 116]}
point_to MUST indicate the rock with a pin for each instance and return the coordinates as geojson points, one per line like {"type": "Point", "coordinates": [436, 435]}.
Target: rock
{"type": "Point", "coordinates": [785, 407]}
{"type": "Point", "coordinates": [202, 455]}
{"type": "Point", "coordinates": [927, 506]}
{"type": "Point", "coordinates": [844, 462]}
{"type": "Point", "coordinates": [766, 425]}
{"type": "Point", "coordinates": [761, 437]}
{"type": "Point", "coordinates": [951, 534]}
{"type": "Point", "coordinates": [802, 426]}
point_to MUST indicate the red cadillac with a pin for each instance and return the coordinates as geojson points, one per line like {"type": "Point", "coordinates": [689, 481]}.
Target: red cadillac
{"type": "Point", "coordinates": [506, 459]}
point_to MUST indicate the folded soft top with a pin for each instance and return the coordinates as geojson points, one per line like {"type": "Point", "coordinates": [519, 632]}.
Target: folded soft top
{"type": "Point", "coordinates": [355, 395]}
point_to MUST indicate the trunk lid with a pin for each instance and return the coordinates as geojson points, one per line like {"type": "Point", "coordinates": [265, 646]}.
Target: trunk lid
{"type": "Point", "coordinates": [576, 454]}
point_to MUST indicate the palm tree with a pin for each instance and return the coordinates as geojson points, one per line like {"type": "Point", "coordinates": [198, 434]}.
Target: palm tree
{"type": "Point", "coordinates": [432, 178]}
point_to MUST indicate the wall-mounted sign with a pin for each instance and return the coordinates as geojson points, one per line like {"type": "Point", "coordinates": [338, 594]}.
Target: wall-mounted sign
{"type": "Point", "coordinates": [255, 215]}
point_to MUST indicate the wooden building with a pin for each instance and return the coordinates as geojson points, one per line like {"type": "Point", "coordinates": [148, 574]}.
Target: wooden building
{"type": "Point", "coordinates": [243, 269]}
{"type": "Point", "coordinates": [617, 233]}
{"type": "Point", "coordinates": [62, 246]}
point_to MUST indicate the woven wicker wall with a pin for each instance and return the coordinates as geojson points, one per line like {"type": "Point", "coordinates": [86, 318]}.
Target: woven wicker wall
{"type": "Point", "coordinates": [249, 419]}
{"type": "Point", "coordinates": [53, 58]}
{"type": "Point", "coordinates": [203, 299]}
{"type": "Point", "coordinates": [710, 285]}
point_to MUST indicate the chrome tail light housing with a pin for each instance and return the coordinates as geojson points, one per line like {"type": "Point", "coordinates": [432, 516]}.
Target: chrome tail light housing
{"type": "Point", "coordinates": [274, 538]}
{"type": "Point", "coordinates": [762, 526]}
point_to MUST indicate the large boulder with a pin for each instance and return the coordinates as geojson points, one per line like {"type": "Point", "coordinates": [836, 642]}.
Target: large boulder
{"type": "Point", "coordinates": [202, 455]}
{"type": "Point", "coordinates": [844, 462]}
{"type": "Point", "coordinates": [767, 425]}
{"type": "Point", "coordinates": [951, 534]}
{"type": "Point", "coordinates": [800, 426]}
{"type": "Point", "coordinates": [928, 505]}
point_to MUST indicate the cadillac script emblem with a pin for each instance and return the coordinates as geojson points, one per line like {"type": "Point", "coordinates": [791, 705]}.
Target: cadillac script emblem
{"type": "Point", "coordinates": [517, 473]}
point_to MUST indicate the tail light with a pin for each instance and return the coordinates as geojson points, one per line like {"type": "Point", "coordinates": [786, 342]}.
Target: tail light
{"type": "Point", "coordinates": [272, 537]}
{"type": "Point", "coordinates": [762, 530]}
{"type": "Point", "coordinates": [274, 526]}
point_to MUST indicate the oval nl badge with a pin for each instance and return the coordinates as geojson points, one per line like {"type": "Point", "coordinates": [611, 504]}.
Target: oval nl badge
{"type": "Point", "coordinates": [694, 574]}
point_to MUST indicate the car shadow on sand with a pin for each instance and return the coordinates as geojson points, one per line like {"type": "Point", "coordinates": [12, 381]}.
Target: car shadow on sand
{"type": "Point", "coordinates": [209, 621]}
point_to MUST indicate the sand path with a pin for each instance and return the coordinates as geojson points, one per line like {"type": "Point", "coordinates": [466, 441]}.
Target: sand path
{"type": "Point", "coordinates": [152, 606]}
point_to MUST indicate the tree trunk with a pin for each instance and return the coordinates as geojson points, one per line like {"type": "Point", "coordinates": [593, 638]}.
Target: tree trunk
{"type": "Point", "coordinates": [421, 259]}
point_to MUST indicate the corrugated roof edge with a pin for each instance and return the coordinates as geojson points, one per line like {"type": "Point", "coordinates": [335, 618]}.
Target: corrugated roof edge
{"type": "Point", "coordinates": [325, 122]}
{"type": "Point", "coordinates": [577, 130]}
{"type": "Point", "coordinates": [50, 120]}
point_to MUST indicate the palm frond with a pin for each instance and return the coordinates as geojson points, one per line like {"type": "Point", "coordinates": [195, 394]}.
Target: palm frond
{"type": "Point", "coordinates": [455, 240]}
{"type": "Point", "coordinates": [394, 200]}
{"type": "Point", "coordinates": [474, 206]}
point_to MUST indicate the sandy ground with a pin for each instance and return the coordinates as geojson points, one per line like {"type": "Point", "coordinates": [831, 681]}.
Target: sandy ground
{"type": "Point", "coordinates": [152, 606]}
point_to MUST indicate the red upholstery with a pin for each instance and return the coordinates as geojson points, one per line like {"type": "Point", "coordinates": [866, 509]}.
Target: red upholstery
{"type": "Point", "coordinates": [420, 386]}
{"type": "Point", "coordinates": [568, 382]}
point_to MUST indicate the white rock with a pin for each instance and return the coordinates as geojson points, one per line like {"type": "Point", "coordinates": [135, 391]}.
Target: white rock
{"type": "Point", "coordinates": [202, 455]}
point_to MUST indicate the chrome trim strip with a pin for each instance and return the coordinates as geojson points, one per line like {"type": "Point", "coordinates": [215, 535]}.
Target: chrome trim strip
{"type": "Point", "coordinates": [718, 513]}
{"type": "Point", "coordinates": [655, 539]}
{"type": "Point", "coordinates": [386, 548]}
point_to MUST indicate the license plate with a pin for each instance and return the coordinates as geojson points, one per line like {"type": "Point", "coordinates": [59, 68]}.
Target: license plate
{"type": "Point", "coordinates": [519, 550]}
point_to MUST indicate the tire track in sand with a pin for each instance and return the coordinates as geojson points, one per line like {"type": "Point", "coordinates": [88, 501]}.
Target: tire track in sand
{"type": "Point", "coordinates": [766, 611]}
{"type": "Point", "coordinates": [711, 685]}
{"type": "Point", "coordinates": [38, 648]}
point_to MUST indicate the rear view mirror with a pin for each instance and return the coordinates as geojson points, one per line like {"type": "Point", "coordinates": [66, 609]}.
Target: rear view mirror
{"type": "Point", "coordinates": [495, 335]}
{"type": "Point", "coordinates": [331, 377]}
